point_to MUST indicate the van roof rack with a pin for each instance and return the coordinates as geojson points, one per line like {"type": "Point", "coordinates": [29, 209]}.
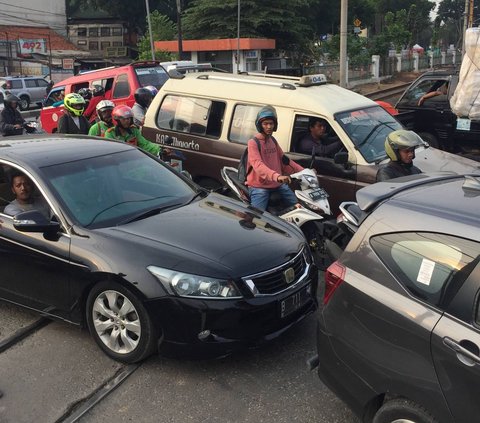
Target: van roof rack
{"type": "Point", "coordinates": [283, 85]}
{"type": "Point", "coordinates": [97, 70]}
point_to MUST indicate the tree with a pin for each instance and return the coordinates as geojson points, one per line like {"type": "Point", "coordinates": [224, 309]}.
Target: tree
{"type": "Point", "coordinates": [282, 20]}
{"type": "Point", "coordinates": [162, 29]}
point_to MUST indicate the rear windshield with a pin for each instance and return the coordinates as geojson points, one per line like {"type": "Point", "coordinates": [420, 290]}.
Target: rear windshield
{"type": "Point", "coordinates": [153, 75]}
{"type": "Point", "coordinates": [368, 128]}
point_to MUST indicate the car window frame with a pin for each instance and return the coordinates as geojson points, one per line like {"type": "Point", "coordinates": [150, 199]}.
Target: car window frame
{"type": "Point", "coordinates": [232, 121]}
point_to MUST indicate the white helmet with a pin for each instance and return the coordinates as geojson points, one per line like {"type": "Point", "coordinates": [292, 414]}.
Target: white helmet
{"type": "Point", "coordinates": [104, 105]}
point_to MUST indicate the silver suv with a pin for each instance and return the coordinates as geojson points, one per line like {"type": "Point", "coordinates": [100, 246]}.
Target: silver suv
{"type": "Point", "coordinates": [29, 89]}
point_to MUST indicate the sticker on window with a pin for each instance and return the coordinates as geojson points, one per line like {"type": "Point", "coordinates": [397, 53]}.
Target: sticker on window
{"type": "Point", "coordinates": [463, 124]}
{"type": "Point", "coordinates": [426, 271]}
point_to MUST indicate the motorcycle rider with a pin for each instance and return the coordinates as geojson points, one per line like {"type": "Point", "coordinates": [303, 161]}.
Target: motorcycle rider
{"type": "Point", "coordinates": [143, 99]}
{"type": "Point", "coordinates": [400, 147]}
{"type": "Point", "coordinates": [104, 113]}
{"type": "Point", "coordinates": [97, 95]}
{"type": "Point", "coordinates": [73, 121]}
{"type": "Point", "coordinates": [124, 130]}
{"type": "Point", "coordinates": [11, 121]}
{"type": "Point", "coordinates": [268, 170]}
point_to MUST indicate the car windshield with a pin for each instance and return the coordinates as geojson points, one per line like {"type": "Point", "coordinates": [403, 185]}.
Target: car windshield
{"type": "Point", "coordinates": [153, 75]}
{"type": "Point", "coordinates": [115, 188]}
{"type": "Point", "coordinates": [368, 128]}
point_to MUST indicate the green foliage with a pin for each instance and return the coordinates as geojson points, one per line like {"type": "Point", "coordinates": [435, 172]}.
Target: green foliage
{"type": "Point", "coordinates": [356, 47]}
{"type": "Point", "coordinates": [283, 20]}
{"type": "Point", "coordinates": [162, 29]}
{"type": "Point", "coordinates": [396, 29]}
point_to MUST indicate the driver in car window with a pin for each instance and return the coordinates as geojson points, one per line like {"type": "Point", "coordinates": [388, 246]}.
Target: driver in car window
{"type": "Point", "coordinates": [442, 90]}
{"type": "Point", "coordinates": [317, 139]}
{"type": "Point", "coordinates": [23, 189]}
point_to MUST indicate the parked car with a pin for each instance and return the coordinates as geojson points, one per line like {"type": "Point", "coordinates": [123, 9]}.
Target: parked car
{"type": "Point", "coordinates": [434, 120]}
{"type": "Point", "coordinates": [119, 83]}
{"type": "Point", "coordinates": [29, 89]}
{"type": "Point", "coordinates": [211, 116]}
{"type": "Point", "coordinates": [399, 331]}
{"type": "Point", "coordinates": [143, 256]}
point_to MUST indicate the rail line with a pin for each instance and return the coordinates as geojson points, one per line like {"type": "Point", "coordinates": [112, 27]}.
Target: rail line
{"type": "Point", "coordinates": [388, 92]}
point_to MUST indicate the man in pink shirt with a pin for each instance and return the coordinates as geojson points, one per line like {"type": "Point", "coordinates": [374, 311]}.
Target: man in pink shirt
{"type": "Point", "coordinates": [268, 173]}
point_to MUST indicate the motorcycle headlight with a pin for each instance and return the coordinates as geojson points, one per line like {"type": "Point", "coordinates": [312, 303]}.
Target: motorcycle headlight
{"type": "Point", "coordinates": [312, 181]}
{"type": "Point", "coordinates": [194, 286]}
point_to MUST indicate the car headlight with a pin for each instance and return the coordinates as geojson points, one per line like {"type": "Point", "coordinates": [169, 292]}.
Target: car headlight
{"type": "Point", "coordinates": [194, 286]}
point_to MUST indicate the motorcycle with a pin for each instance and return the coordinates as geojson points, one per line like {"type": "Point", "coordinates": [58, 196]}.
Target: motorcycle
{"type": "Point", "coordinates": [309, 218]}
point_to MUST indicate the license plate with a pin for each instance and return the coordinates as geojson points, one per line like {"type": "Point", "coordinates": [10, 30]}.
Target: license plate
{"type": "Point", "coordinates": [295, 301]}
{"type": "Point", "coordinates": [317, 194]}
{"type": "Point", "coordinates": [463, 124]}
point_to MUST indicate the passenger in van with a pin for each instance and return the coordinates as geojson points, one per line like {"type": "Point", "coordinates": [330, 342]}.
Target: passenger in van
{"type": "Point", "coordinates": [318, 140]}
{"type": "Point", "coordinates": [104, 114]}
{"type": "Point", "coordinates": [98, 94]}
{"type": "Point", "coordinates": [23, 189]}
{"type": "Point", "coordinates": [269, 171]}
{"type": "Point", "coordinates": [400, 147]}
{"type": "Point", "coordinates": [73, 121]}
{"type": "Point", "coordinates": [124, 130]}
{"type": "Point", "coordinates": [143, 99]}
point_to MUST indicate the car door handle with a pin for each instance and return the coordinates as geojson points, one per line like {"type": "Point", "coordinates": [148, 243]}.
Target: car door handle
{"type": "Point", "coordinates": [463, 354]}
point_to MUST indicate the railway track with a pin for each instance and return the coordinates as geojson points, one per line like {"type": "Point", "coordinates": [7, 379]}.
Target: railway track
{"type": "Point", "coordinates": [73, 413]}
{"type": "Point", "coordinates": [388, 92]}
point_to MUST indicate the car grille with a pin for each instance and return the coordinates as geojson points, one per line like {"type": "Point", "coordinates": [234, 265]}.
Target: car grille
{"type": "Point", "coordinates": [274, 281]}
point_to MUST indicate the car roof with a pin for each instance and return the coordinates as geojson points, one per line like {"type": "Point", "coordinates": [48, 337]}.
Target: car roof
{"type": "Point", "coordinates": [326, 99]}
{"type": "Point", "coordinates": [46, 150]}
{"type": "Point", "coordinates": [448, 197]}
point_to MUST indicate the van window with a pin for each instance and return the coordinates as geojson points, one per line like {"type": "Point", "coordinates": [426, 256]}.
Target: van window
{"type": "Point", "coordinates": [122, 87]}
{"type": "Point", "coordinates": [413, 94]}
{"type": "Point", "coordinates": [243, 123]}
{"type": "Point", "coordinates": [77, 87]}
{"type": "Point", "coordinates": [193, 115]}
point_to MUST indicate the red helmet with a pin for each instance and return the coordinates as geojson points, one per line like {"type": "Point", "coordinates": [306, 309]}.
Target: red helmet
{"type": "Point", "coordinates": [121, 111]}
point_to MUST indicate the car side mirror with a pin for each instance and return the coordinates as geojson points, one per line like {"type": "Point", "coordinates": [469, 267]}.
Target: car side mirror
{"type": "Point", "coordinates": [34, 221]}
{"type": "Point", "coordinates": [341, 157]}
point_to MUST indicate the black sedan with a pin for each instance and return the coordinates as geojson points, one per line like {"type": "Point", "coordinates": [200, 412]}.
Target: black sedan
{"type": "Point", "coordinates": [140, 254]}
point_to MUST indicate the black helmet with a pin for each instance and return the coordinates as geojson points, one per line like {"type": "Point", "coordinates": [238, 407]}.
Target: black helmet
{"type": "Point", "coordinates": [9, 99]}
{"type": "Point", "coordinates": [400, 139]}
{"type": "Point", "coordinates": [143, 96]}
{"type": "Point", "coordinates": [85, 93]}
{"type": "Point", "coordinates": [98, 90]}
{"type": "Point", "coordinates": [266, 112]}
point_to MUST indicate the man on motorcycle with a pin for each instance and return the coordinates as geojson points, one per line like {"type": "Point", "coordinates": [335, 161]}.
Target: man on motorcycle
{"type": "Point", "coordinates": [143, 98]}
{"type": "Point", "coordinates": [124, 130]}
{"type": "Point", "coordinates": [400, 146]}
{"type": "Point", "coordinates": [269, 169]}
{"type": "Point", "coordinates": [73, 121]}
{"type": "Point", "coordinates": [11, 121]}
{"type": "Point", "coordinates": [104, 113]}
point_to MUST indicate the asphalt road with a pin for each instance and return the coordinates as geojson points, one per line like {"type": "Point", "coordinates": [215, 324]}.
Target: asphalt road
{"type": "Point", "coordinates": [53, 374]}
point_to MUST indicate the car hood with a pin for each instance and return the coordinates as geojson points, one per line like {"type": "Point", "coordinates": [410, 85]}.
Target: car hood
{"type": "Point", "coordinates": [215, 234]}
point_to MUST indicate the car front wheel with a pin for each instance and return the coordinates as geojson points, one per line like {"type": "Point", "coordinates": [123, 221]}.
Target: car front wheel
{"type": "Point", "coordinates": [402, 411]}
{"type": "Point", "coordinates": [119, 323]}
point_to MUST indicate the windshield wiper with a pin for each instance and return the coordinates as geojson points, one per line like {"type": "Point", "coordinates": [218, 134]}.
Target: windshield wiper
{"type": "Point", "coordinates": [378, 125]}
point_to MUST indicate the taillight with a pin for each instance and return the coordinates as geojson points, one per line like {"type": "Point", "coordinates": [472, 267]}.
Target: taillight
{"type": "Point", "coordinates": [334, 276]}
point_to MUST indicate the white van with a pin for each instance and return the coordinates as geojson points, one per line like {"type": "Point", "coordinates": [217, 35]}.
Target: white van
{"type": "Point", "coordinates": [211, 116]}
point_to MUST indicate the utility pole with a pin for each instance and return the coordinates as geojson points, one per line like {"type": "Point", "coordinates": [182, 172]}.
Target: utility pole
{"type": "Point", "coordinates": [179, 27]}
{"type": "Point", "coordinates": [50, 57]}
{"type": "Point", "coordinates": [470, 14]}
{"type": "Point", "coordinates": [238, 37]}
{"type": "Point", "coordinates": [343, 43]}
{"type": "Point", "coordinates": [465, 25]}
{"type": "Point", "coordinates": [152, 47]}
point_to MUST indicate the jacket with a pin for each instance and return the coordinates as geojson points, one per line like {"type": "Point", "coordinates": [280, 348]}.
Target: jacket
{"type": "Point", "coordinates": [133, 136]}
{"type": "Point", "coordinates": [8, 118]}
{"type": "Point", "coordinates": [266, 164]}
{"type": "Point", "coordinates": [396, 170]}
{"type": "Point", "coordinates": [98, 129]}
{"type": "Point", "coordinates": [66, 125]}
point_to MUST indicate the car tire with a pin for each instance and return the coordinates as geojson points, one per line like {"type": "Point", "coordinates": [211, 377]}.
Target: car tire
{"type": "Point", "coordinates": [119, 323]}
{"type": "Point", "coordinates": [431, 139]}
{"type": "Point", "coordinates": [402, 410]}
{"type": "Point", "coordinates": [24, 102]}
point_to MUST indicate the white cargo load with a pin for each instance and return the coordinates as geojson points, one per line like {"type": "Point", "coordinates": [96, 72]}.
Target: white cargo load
{"type": "Point", "coordinates": [465, 102]}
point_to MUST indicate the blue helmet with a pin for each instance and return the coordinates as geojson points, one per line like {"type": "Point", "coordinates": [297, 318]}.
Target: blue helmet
{"type": "Point", "coordinates": [266, 112]}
